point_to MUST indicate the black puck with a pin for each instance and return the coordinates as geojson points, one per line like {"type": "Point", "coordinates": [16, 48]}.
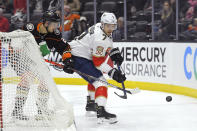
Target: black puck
{"type": "Point", "coordinates": [169, 98]}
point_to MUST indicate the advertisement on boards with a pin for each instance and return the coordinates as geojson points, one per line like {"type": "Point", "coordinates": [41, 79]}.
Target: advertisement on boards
{"type": "Point", "coordinates": [185, 64]}
{"type": "Point", "coordinates": [148, 62]}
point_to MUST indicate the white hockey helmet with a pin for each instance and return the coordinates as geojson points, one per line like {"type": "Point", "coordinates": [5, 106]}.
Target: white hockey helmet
{"type": "Point", "coordinates": [108, 18]}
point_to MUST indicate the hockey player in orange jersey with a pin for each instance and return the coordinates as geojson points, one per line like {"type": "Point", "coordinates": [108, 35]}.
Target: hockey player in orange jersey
{"type": "Point", "coordinates": [48, 37]}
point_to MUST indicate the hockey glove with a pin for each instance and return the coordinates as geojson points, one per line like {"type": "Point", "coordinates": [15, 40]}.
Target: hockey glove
{"type": "Point", "coordinates": [116, 56]}
{"type": "Point", "coordinates": [68, 62]}
{"type": "Point", "coordinates": [44, 48]}
{"type": "Point", "coordinates": [117, 75]}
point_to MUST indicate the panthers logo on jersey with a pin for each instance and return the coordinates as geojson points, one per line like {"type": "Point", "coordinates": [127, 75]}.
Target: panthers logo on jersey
{"type": "Point", "coordinates": [99, 50]}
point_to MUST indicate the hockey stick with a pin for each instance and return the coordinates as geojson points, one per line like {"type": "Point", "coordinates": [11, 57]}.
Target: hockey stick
{"type": "Point", "coordinates": [123, 87]}
{"type": "Point", "coordinates": [132, 91]}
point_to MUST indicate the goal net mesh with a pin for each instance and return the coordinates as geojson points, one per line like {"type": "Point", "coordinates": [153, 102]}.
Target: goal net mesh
{"type": "Point", "coordinates": [29, 98]}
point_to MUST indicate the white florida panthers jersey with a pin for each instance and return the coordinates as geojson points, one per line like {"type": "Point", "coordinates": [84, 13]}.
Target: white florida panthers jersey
{"type": "Point", "coordinates": [93, 44]}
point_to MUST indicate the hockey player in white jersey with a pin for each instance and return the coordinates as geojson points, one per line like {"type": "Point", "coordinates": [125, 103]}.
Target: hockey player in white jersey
{"type": "Point", "coordinates": [92, 52]}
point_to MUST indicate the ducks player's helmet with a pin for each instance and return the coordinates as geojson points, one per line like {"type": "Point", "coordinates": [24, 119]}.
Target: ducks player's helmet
{"type": "Point", "coordinates": [51, 16]}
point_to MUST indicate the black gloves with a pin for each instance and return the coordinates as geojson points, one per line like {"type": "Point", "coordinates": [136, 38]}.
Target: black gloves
{"type": "Point", "coordinates": [117, 75]}
{"type": "Point", "coordinates": [116, 56]}
{"type": "Point", "coordinates": [68, 62]}
{"type": "Point", "coordinates": [68, 65]}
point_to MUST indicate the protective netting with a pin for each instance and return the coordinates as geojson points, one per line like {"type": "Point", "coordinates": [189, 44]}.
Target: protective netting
{"type": "Point", "coordinates": [29, 98]}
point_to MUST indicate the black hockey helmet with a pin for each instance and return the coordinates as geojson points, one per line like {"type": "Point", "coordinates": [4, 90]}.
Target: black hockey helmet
{"type": "Point", "coordinates": [51, 16]}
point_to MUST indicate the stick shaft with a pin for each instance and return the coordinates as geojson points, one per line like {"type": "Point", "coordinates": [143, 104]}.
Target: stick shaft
{"type": "Point", "coordinates": [89, 76]}
{"type": "Point", "coordinates": [123, 86]}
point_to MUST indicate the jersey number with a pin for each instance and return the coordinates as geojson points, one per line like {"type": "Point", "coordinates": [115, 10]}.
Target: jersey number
{"type": "Point", "coordinates": [104, 36]}
{"type": "Point", "coordinates": [90, 30]}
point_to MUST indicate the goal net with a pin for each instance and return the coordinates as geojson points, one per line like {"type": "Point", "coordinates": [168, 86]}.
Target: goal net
{"type": "Point", "coordinates": [29, 99]}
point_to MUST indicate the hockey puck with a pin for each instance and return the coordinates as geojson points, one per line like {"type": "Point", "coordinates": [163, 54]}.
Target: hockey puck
{"type": "Point", "coordinates": [169, 98]}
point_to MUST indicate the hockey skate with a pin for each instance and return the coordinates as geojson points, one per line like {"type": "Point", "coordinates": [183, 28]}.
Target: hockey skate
{"type": "Point", "coordinates": [90, 107]}
{"type": "Point", "coordinates": [44, 114]}
{"type": "Point", "coordinates": [18, 115]}
{"type": "Point", "coordinates": [104, 117]}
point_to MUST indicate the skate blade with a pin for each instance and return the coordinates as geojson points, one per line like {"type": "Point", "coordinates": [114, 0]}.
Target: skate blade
{"type": "Point", "coordinates": [42, 117]}
{"type": "Point", "coordinates": [16, 118]}
{"type": "Point", "coordinates": [91, 114]}
{"type": "Point", "coordinates": [109, 121]}
{"type": "Point", "coordinates": [20, 122]}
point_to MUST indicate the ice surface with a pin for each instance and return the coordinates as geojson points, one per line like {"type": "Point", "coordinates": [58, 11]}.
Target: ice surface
{"type": "Point", "coordinates": [145, 111]}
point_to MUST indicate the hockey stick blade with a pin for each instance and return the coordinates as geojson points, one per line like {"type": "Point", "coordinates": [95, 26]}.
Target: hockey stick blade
{"type": "Point", "coordinates": [131, 91]}
{"type": "Point", "coordinates": [123, 87]}
{"type": "Point", "coordinates": [123, 97]}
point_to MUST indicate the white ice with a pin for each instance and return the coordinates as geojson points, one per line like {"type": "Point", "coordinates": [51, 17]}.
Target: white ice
{"type": "Point", "coordinates": [145, 111]}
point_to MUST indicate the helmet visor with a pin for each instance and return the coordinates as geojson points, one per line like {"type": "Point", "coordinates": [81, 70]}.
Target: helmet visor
{"type": "Point", "coordinates": [111, 26]}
